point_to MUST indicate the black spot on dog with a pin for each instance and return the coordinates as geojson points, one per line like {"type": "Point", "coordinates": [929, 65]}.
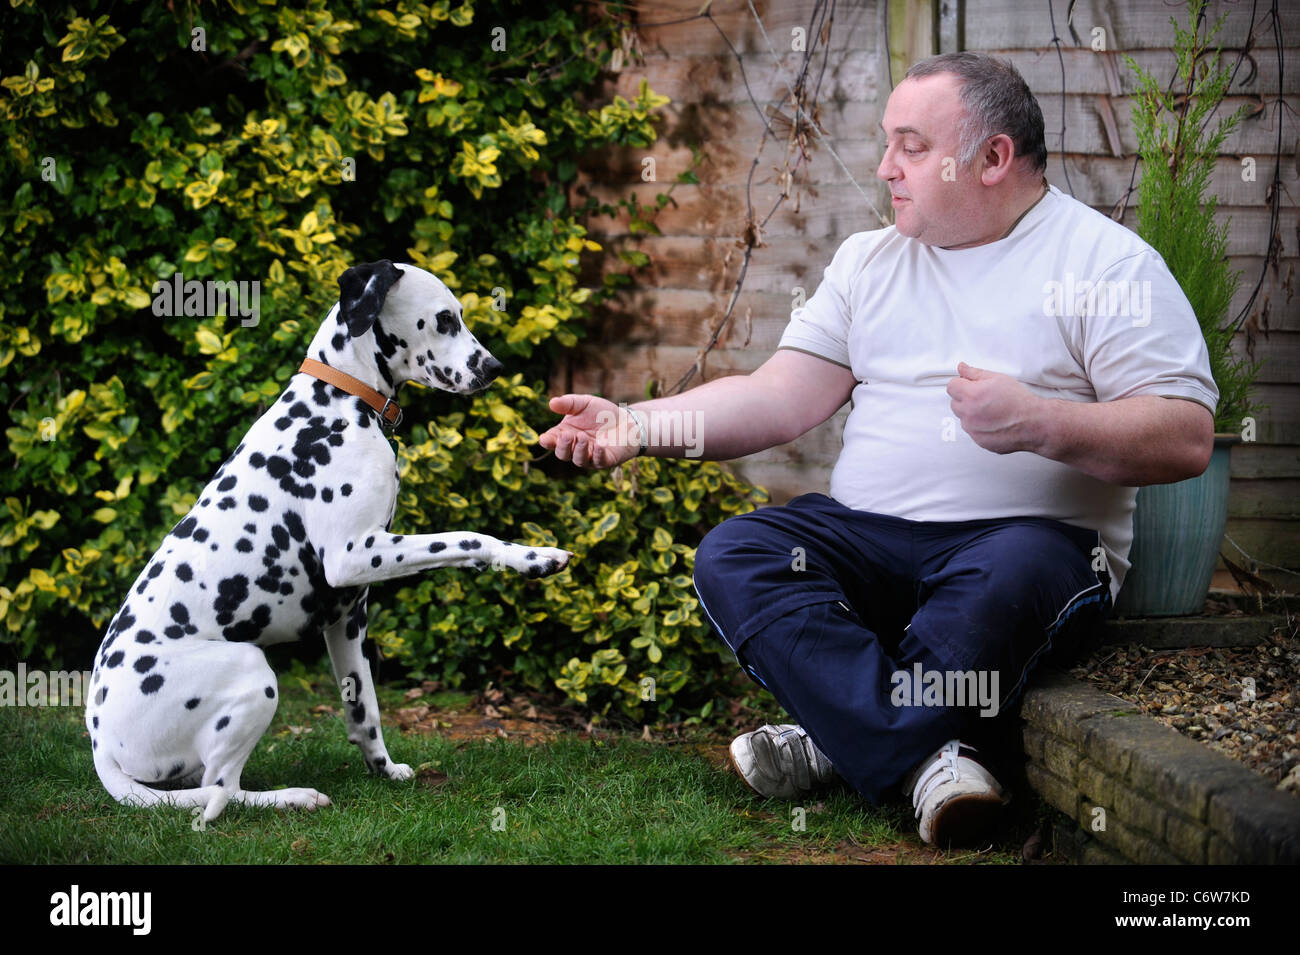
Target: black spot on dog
{"type": "Point", "coordinates": [145, 636]}
{"type": "Point", "coordinates": [250, 528]}
{"type": "Point", "coordinates": [184, 573]}
{"type": "Point", "coordinates": [95, 721]}
{"type": "Point", "coordinates": [225, 504]}
{"type": "Point", "coordinates": [374, 732]}
{"type": "Point", "coordinates": [320, 392]}
{"type": "Point", "coordinates": [280, 536]}
{"type": "Point", "coordinates": [151, 684]}
{"type": "Point", "coordinates": [192, 702]}
{"type": "Point", "coordinates": [227, 484]}
{"type": "Point", "coordinates": [282, 424]}
{"type": "Point", "coordinates": [380, 763]}
{"type": "Point", "coordinates": [116, 659]}
{"type": "Point", "coordinates": [337, 342]}
{"type": "Point", "coordinates": [471, 545]}
{"type": "Point", "coordinates": [296, 528]}
{"type": "Point", "coordinates": [257, 459]}
{"type": "Point", "coordinates": [399, 558]}
{"type": "Point", "coordinates": [346, 490]}
{"type": "Point", "coordinates": [185, 528]}
{"type": "Point", "coordinates": [222, 723]}
{"type": "Point", "coordinates": [370, 541]}
{"type": "Point", "coordinates": [101, 696]}
{"type": "Point", "coordinates": [201, 534]}
{"type": "Point", "coordinates": [531, 555]}
{"type": "Point", "coordinates": [248, 630]}
{"type": "Point", "coordinates": [349, 547]}
{"type": "Point", "coordinates": [326, 494]}
{"type": "Point", "coordinates": [437, 546]}
{"type": "Point", "coordinates": [176, 770]}
{"type": "Point", "coordinates": [300, 410]}
{"type": "Point", "coordinates": [270, 693]}
{"type": "Point", "coordinates": [155, 570]}
{"type": "Point", "coordinates": [257, 502]}
{"type": "Point", "coordinates": [447, 324]}
{"type": "Point", "coordinates": [359, 713]}
{"type": "Point", "coordinates": [376, 561]}
{"type": "Point", "coordinates": [231, 593]}
{"type": "Point", "coordinates": [145, 664]}
{"type": "Point", "coordinates": [244, 545]}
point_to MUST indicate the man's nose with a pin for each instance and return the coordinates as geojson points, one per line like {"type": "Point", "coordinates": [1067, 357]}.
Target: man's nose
{"type": "Point", "coordinates": [887, 169]}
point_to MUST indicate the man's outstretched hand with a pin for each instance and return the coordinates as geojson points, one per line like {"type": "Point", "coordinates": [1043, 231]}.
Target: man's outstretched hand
{"type": "Point", "coordinates": [595, 433]}
{"type": "Point", "coordinates": [998, 412]}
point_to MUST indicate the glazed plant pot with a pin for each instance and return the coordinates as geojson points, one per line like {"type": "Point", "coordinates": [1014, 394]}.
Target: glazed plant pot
{"type": "Point", "coordinates": [1177, 532]}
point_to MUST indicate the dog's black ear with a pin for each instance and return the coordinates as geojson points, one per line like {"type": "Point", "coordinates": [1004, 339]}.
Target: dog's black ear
{"type": "Point", "coordinates": [362, 290]}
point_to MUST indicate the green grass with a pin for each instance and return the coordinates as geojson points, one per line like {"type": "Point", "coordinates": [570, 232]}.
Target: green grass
{"type": "Point", "coordinates": [614, 799]}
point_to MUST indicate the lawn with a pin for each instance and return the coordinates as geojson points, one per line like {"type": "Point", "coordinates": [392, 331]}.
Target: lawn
{"type": "Point", "coordinates": [562, 797]}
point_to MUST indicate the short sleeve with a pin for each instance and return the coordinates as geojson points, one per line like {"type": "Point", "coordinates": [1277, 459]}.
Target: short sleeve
{"type": "Point", "coordinates": [1140, 335]}
{"type": "Point", "coordinates": [821, 327]}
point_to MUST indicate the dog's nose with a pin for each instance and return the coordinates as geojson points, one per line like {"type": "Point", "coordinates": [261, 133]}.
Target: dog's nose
{"type": "Point", "coordinates": [491, 368]}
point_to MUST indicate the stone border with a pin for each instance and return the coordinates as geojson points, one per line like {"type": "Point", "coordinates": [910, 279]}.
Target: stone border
{"type": "Point", "coordinates": [1167, 633]}
{"type": "Point", "coordinates": [1143, 792]}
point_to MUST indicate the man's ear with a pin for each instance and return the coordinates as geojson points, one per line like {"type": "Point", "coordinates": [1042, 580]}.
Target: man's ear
{"type": "Point", "coordinates": [362, 290]}
{"type": "Point", "coordinates": [1000, 157]}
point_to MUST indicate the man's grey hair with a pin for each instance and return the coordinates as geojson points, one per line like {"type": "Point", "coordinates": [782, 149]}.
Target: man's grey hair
{"type": "Point", "coordinates": [996, 99]}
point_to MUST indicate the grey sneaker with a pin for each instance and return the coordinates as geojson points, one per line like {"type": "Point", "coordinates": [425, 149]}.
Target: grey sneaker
{"type": "Point", "coordinates": [956, 799]}
{"type": "Point", "coordinates": [780, 761]}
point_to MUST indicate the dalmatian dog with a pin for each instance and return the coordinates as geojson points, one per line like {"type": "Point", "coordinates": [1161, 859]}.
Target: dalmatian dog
{"type": "Point", "coordinates": [283, 544]}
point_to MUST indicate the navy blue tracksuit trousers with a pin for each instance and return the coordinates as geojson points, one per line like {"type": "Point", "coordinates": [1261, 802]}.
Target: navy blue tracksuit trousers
{"type": "Point", "coordinates": [825, 606]}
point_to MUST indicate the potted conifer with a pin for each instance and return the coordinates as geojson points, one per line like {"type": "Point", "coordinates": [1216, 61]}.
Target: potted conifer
{"type": "Point", "coordinates": [1178, 528]}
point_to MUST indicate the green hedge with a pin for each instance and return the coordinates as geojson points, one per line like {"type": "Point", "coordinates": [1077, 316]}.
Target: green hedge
{"type": "Point", "coordinates": [245, 141]}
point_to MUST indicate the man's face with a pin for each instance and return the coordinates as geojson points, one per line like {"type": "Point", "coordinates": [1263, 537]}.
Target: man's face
{"type": "Point", "coordinates": [922, 120]}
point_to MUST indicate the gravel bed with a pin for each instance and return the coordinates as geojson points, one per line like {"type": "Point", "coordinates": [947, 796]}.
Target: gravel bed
{"type": "Point", "coordinates": [1207, 694]}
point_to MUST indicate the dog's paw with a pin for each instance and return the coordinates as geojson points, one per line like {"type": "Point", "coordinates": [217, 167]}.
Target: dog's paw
{"type": "Point", "coordinates": [400, 771]}
{"type": "Point", "coordinates": [541, 561]}
{"type": "Point", "coordinates": [308, 799]}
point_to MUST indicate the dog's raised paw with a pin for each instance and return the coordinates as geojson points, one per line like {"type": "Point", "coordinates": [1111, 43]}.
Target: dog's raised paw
{"type": "Point", "coordinates": [544, 561]}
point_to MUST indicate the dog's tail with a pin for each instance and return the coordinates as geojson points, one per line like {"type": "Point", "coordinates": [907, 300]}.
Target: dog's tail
{"type": "Point", "coordinates": [129, 792]}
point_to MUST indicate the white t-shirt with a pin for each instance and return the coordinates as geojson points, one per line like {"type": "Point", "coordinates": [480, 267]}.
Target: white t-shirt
{"type": "Point", "coordinates": [1071, 304]}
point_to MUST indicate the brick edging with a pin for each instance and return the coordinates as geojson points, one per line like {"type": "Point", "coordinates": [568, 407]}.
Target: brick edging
{"type": "Point", "coordinates": [1163, 798]}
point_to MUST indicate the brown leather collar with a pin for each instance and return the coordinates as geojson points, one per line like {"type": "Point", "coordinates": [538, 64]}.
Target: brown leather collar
{"type": "Point", "coordinates": [389, 413]}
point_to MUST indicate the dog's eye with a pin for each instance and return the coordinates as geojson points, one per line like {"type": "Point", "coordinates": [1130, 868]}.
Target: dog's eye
{"type": "Point", "coordinates": [448, 324]}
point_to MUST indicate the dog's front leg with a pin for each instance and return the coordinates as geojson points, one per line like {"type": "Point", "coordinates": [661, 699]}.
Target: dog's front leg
{"type": "Point", "coordinates": [360, 705]}
{"type": "Point", "coordinates": [376, 555]}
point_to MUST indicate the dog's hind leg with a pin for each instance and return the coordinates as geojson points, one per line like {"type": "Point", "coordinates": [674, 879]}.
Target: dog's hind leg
{"type": "Point", "coordinates": [232, 720]}
{"type": "Point", "coordinates": [361, 707]}
{"type": "Point", "coordinates": [129, 792]}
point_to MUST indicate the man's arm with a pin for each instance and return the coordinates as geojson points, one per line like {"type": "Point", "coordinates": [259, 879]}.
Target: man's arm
{"type": "Point", "coordinates": [792, 392]}
{"type": "Point", "coordinates": [1134, 441]}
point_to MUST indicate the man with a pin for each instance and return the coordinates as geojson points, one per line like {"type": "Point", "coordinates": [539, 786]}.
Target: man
{"type": "Point", "coordinates": [1018, 364]}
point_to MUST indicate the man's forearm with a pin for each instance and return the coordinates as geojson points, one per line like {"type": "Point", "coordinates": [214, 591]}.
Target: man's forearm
{"type": "Point", "coordinates": [720, 420]}
{"type": "Point", "coordinates": [1134, 441]}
